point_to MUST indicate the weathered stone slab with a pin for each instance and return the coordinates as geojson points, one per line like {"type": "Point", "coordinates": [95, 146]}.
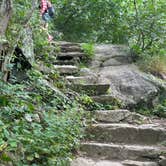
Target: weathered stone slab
{"type": "Point", "coordinates": [120, 152]}
{"type": "Point", "coordinates": [65, 62]}
{"type": "Point", "coordinates": [82, 79]}
{"type": "Point", "coordinates": [66, 69]}
{"type": "Point", "coordinates": [71, 48]}
{"type": "Point", "coordinates": [64, 43]}
{"type": "Point", "coordinates": [106, 99]}
{"type": "Point", "coordinates": [71, 54]}
{"type": "Point", "coordinates": [115, 116]}
{"type": "Point", "coordinates": [93, 162]}
{"type": "Point", "coordinates": [128, 85]}
{"type": "Point", "coordinates": [90, 89]}
{"type": "Point", "coordinates": [162, 161]}
{"type": "Point", "coordinates": [148, 134]}
{"type": "Point", "coordinates": [112, 63]}
{"type": "Point", "coordinates": [139, 163]}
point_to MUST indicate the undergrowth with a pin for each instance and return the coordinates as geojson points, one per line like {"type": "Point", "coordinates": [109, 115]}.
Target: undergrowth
{"type": "Point", "coordinates": [153, 64]}
{"type": "Point", "coordinates": [37, 127]}
{"type": "Point", "coordinates": [88, 49]}
{"type": "Point", "coordinates": [158, 110]}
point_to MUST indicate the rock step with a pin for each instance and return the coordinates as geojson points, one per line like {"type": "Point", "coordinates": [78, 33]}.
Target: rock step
{"type": "Point", "coordinates": [119, 115]}
{"type": "Point", "coordinates": [66, 69]}
{"type": "Point", "coordinates": [139, 163]}
{"type": "Point", "coordinates": [94, 162]}
{"type": "Point", "coordinates": [117, 61]}
{"type": "Point", "coordinates": [104, 99]}
{"type": "Point", "coordinates": [111, 49]}
{"type": "Point", "coordinates": [81, 79]}
{"type": "Point", "coordinates": [71, 48]}
{"type": "Point", "coordinates": [67, 44]}
{"type": "Point", "coordinates": [90, 89]}
{"type": "Point", "coordinates": [121, 152]}
{"type": "Point", "coordinates": [147, 134]}
{"type": "Point", "coordinates": [65, 62]}
{"type": "Point", "coordinates": [69, 55]}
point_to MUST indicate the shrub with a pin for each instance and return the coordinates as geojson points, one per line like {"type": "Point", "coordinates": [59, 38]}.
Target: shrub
{"type": "Point", "coordinates": [153, 64]}
{"type": "Point", "coordinates": [37, 127]}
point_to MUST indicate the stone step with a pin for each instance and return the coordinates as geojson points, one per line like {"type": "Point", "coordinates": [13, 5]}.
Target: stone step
{"type": "Point", "coordinates": [147, 134]}
{"type": "Point", "coordinates": [71, 48]}
{"type": "Point", "coordinates": [120, 115]}
{"type": "Point", "coordinates": [94, 162]}
{"type": "Point", "coordinates": [82, 79]}
{"type": "Point", "coordinates": [65, 62]}
{"type": "Point", "coordinates": [108, 50]}
{"type": "Point", "coordinates": [80, 161]}
{"type": "Point", "coordinates": [66, 69]}
{"type": "Point", "coordinates": [69, 55]}
{"type": "Point", "coordinates": [104, 99]}
{"type": "Point", "coordinates": [67, 44]}
{"type": "Point", "coordinates": [139, 163]}
{"type": "Point", "coordinates": [121, 152]}
{"type": "Point", "coordinates": [90, 89]}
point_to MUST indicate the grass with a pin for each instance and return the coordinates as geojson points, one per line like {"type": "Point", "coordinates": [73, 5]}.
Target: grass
{"type": "Point", "coordinates": [153, 64]}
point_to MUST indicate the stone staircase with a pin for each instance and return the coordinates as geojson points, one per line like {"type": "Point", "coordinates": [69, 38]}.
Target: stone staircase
{"type": "Point", "coordinates": [122, 138]}
{"type": "Point", "coordinates": [67, 64]}
{"type": "Point", "coordinates": [119, 137]}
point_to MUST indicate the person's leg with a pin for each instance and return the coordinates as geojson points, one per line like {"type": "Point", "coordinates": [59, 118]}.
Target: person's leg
{"type": "Point", "coordinates": [46, 18]}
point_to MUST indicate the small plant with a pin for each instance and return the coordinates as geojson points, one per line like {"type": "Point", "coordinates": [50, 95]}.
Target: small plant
{"type": "Point", "coordinates": [153, 64]}
{"type": "Point", "coordinates": [88, 49]}
{"type": "Point", "coordinates": [37, 126]}
{"type": "Point", "coordinates": [158, 110]}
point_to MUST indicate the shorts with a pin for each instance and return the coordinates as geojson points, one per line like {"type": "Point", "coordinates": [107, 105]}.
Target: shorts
{"type": "Point", "coordinates": [46, 17]}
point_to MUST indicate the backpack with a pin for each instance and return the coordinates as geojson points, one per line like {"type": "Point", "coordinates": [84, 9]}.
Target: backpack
{"type": "Point", "coordinates": [46, 17]}
{"type": "Point", "coordinates": [51, 11]}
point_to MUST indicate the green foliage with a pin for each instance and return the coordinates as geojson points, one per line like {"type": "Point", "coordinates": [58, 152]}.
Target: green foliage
{"type": "Point", "coordinates": [94, 20]}
{"type": "Point", "coordinates": [153, 64]}
{"type": "Point", "coordinates": [138, 23]}
{"type": "Point", "coordinates": [158, 110]}
{"type": "Point", "coordinates": [88, 49]}
{"type": "Point", "coordinates": [37, 127]}
{"type": "Point", "coordinates": [88, 104]}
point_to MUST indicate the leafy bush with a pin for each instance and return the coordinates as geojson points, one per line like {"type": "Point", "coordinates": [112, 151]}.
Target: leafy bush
{"type": "Point", "coordinates": [157, 110]}
{"type": "Point", "coordinates": [88, 49]}
{"type": "Point", "coordinates": [37, 127]}
{"type": "Point", "coordinates": [153, 64]}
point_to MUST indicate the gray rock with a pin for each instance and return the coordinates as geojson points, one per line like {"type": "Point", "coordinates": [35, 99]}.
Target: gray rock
{"type": "Point", "coordinates": [82, 79]}
{"type": "Point", "coordinates": [66, 69]}
{"type": "Point", "coordinates": [115, 116]}
{"type": "Point", "coordinates": [111, 55]}
{"type": "Point", "coordinates": [71, 48]}
{"type": "Point", "coordinates": [71, 55]}
{"type": "Point", "coordinates": [120, 152]}
{"type": "Point", "coordinates": [28, 46]}
{"type": "Point", "coordinates": [147, 134]}
{"type": "Point", "coordinates": [128, 85]}
{"type": "Point", "coordinates": [162, 161]}
{"type": "Point", "coordinates": [138, 163]}
{"type": "Point", "coordinates": [112, 63]}
{"type": "Point", "coordinates": [28, 117]}
{"type": "Point", "coordinates": [87, 72]}
{"type": "Point", "coordinates": [36, 118]}
{"type": "Point", "coordinates": [91, 162]}
{"type": "Point", "coordinates": [90, 89]}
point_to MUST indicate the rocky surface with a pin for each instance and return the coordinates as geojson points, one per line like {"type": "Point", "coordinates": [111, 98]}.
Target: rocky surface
{"type": "Point", "coordinates": [118, 137]}
{"type": "Point", "coordinates": [113, 65]}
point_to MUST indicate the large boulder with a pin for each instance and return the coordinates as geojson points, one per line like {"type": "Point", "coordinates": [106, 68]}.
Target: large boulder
{"type": "Point", "coordinates": [127, 82]}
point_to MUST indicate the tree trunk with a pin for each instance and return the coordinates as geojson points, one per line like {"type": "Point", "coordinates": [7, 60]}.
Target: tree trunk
{"type": "Point", "coordinates": [5, 15]}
